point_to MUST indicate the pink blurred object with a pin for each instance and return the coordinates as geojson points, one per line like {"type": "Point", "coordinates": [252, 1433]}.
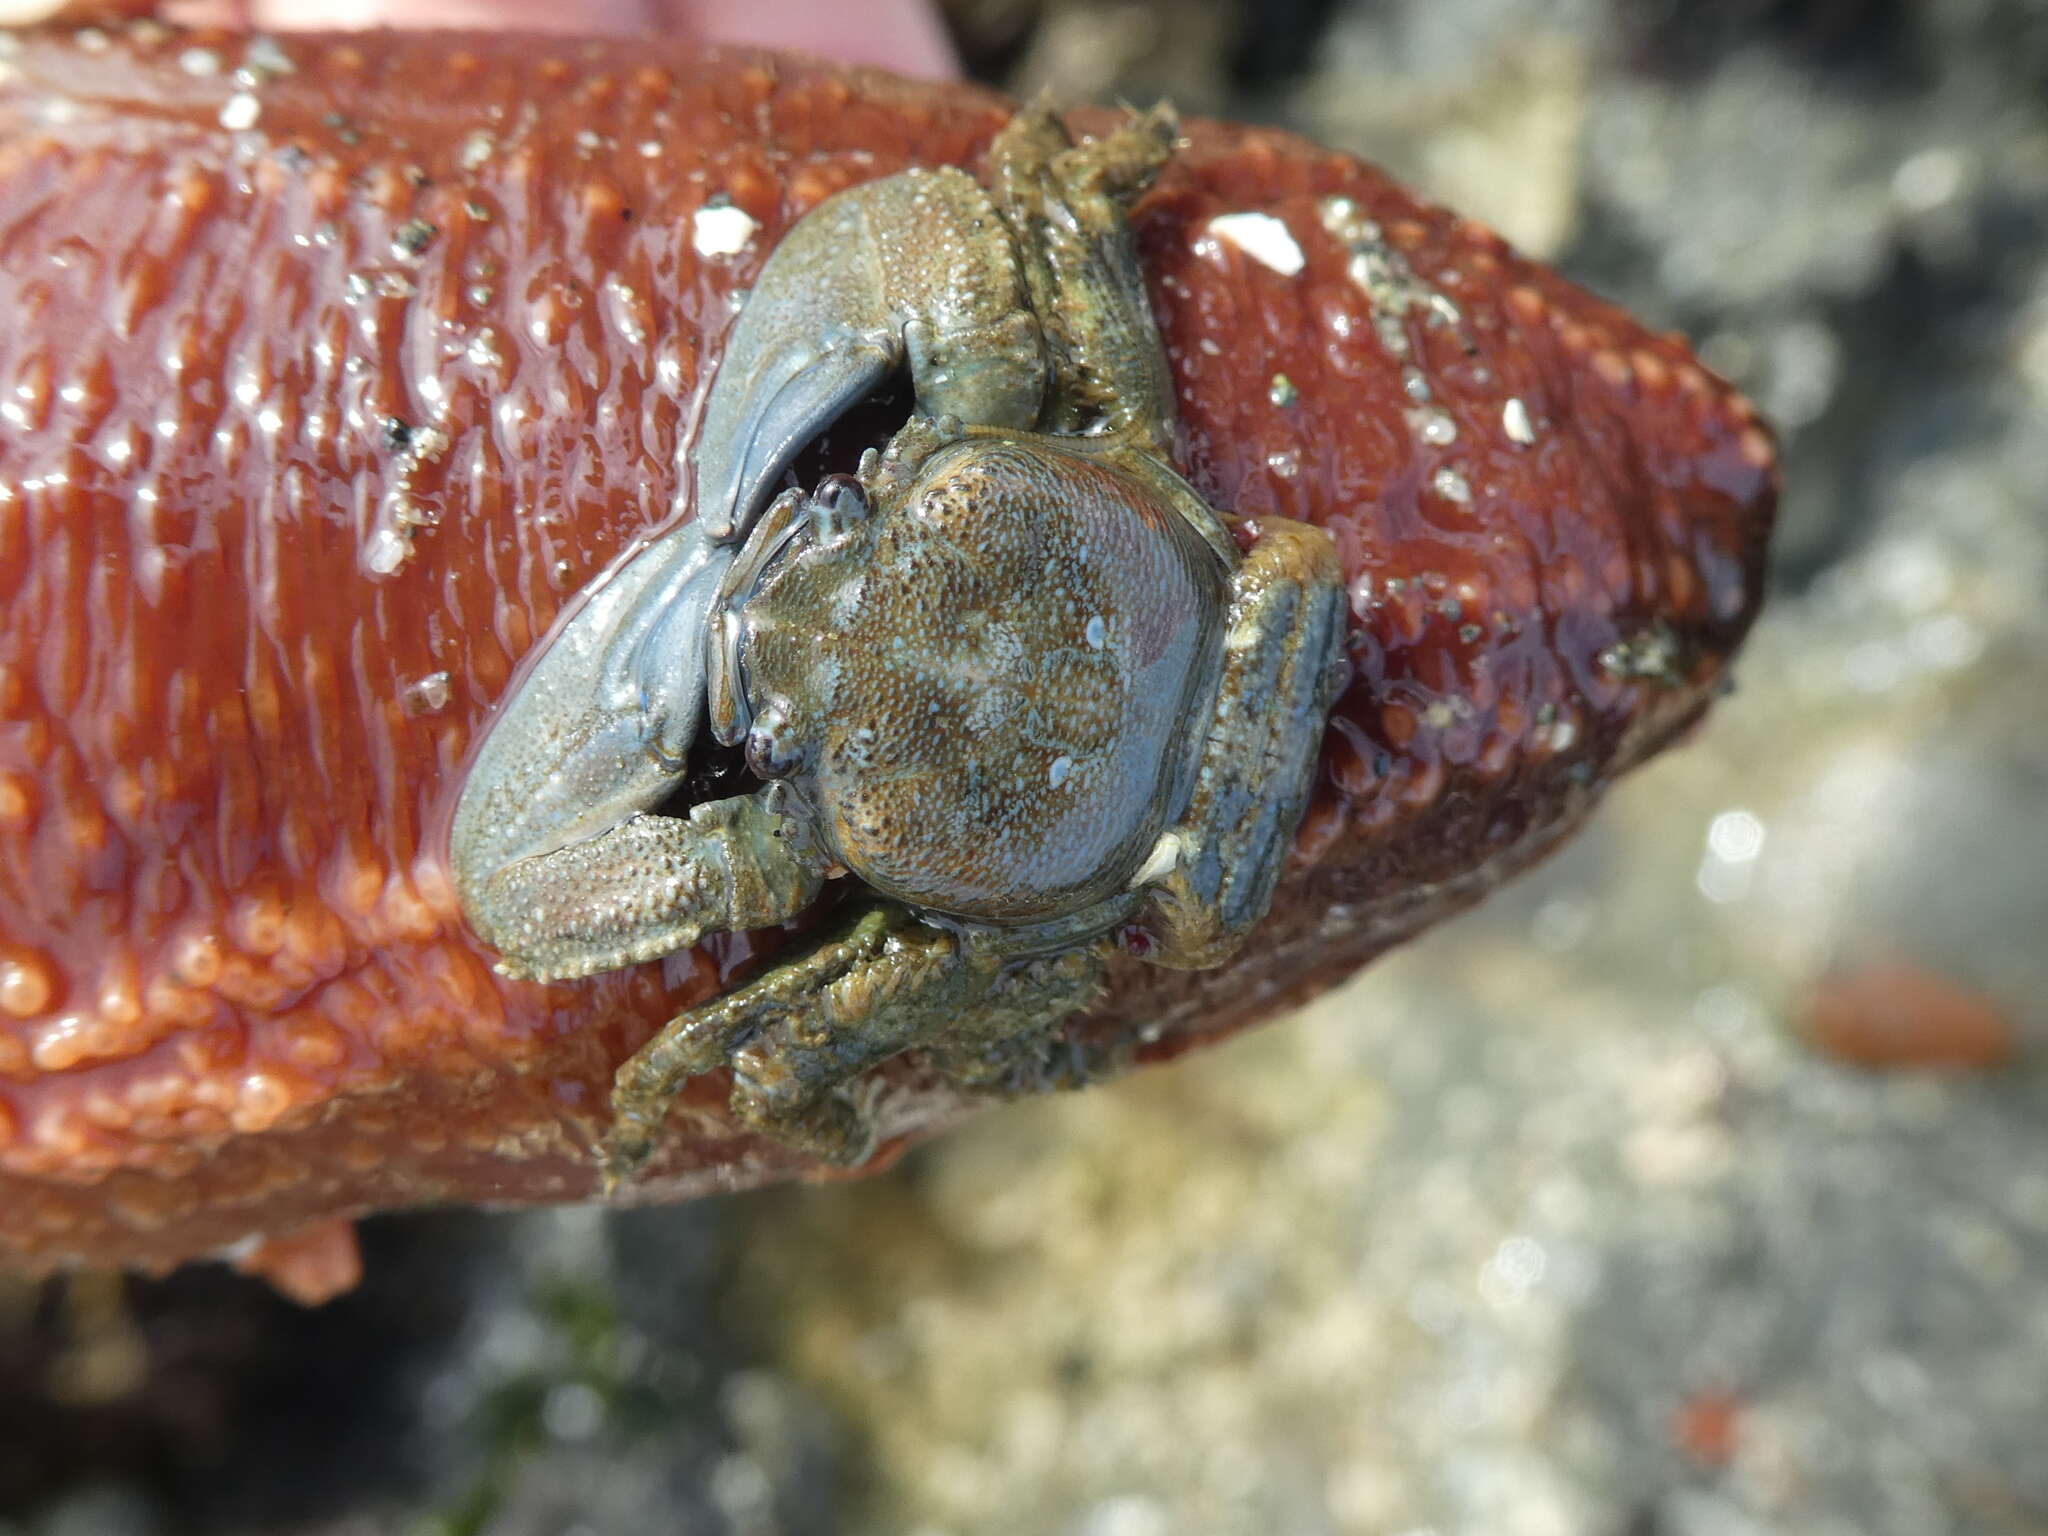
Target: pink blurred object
{"type": "Point", "coordinates": [903, 35]}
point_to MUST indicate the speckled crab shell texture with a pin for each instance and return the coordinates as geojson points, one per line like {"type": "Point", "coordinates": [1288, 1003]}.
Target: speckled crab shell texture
{"type": "Point", "coordinates": [333, 368]}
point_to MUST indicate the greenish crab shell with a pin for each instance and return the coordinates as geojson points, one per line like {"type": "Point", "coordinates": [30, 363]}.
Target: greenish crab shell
{"type": "Point", "coordinates": [1017, 676]}
{"type": "Point", "coordinates": [983, 688]}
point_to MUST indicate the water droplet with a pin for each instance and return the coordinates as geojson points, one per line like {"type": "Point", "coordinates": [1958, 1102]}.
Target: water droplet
{"type": "Point", "coordinates": [240, 112]}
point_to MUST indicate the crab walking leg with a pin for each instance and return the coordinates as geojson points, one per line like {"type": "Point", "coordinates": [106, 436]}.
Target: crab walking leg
{"type": "Point", "coordinates": [1068, 205]}
{"type": "Point", "coordinates": [991, 1026]}
{"type": "Point", "coordinates": [702, 1039]}
{"type": "Point", "coordinates": [1013, 1043]}
{"type": "Point", "coordinates": [789, 1081]}
{"type": "Point", "coordinates": [915, 268]}
{"type": "Point", "coordinates": [1211, 876]}
{"type": "Point", "coordinates": [797, 1037]}
{"type": "Point", "coordinates": [653, 885]}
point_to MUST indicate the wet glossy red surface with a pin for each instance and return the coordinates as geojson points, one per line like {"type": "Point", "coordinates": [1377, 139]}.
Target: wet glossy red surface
{"type": "Point", "coordinates": [332, 369]}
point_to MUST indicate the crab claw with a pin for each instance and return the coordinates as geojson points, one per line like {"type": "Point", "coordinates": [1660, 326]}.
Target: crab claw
{"type": "Point", "coordinates": [914, 269]}
{"type": "Point", "coordinates": [600, 724]}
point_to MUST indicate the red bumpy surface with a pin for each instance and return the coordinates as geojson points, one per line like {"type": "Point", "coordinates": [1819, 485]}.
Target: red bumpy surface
{"type": "Point", "coordinates": [332, 368]}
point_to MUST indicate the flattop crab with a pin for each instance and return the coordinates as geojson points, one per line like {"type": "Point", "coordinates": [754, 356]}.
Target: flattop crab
{"type": "Point", "coordinates": [1015, 675]}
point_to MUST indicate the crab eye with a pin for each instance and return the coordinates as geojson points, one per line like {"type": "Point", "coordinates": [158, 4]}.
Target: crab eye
{"type": "Point", "coordinates": [837, 506]}
{"type": "Point", "coordinates": [773, 751]}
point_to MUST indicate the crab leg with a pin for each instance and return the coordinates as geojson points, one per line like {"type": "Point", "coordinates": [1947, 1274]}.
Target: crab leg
{"type": "Point", "coordinates": [1211, 876]}
{"type": "Point", "coordinates": [987, 1002]}
{"type": "Point", "coordinates": [1068, 206]}
{"type": "Point", "coordinates": [701, 1040]}
{"type": "Point", "coordinates": [651, 886]}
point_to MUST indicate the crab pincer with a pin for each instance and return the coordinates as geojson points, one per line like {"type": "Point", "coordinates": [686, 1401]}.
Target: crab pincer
{"type": "Point", "coordinates": [913, 270]}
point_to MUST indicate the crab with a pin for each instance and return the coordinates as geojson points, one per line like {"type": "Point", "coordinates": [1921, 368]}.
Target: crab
{"type": "Point", "coordinates": [1014, 681]}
